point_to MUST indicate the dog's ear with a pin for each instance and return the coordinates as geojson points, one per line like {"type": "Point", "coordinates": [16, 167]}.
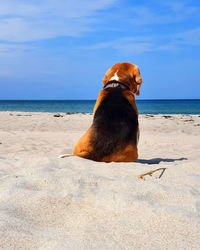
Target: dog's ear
{"type": "Point", "coordinates": [137, 80]}
{"type": "Point", "coordinates": [106, 77]}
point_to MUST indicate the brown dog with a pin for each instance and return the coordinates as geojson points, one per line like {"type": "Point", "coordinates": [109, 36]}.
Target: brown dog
{"type": "Point", "coordinates": [114, 133]}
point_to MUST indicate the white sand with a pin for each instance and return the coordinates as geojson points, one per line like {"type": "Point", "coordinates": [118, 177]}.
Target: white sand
{"type": "Point", "coordinates": [74, 203]}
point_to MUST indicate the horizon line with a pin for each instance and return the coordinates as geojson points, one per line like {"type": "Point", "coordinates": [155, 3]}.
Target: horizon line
{"type": "Point", "coordinates": [151, 99]}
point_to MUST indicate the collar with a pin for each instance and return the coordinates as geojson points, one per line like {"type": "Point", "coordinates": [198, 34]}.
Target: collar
{"type": "Point", "coordinates": [115, 85]}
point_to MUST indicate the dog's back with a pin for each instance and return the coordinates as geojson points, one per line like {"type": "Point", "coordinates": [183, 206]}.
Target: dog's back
{"type": "Point", "coordinates": [114, 126]}
{"type": "Point", "coordinates": [114, 133]}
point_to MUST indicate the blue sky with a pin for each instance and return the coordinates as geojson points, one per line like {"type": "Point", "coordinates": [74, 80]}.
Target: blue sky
{"type": "Point", "coordinates": [56, 49]}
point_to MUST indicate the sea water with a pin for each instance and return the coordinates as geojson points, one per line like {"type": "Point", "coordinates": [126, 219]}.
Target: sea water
{"type": "Point", "coordinates": [86, 106]}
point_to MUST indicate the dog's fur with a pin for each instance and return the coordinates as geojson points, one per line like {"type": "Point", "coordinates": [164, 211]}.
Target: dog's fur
{"type": "Point", "coordinates": [114, 132]}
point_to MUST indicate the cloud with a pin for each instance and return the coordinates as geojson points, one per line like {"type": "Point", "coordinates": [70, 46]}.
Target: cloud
{"type": "Point", "coordinates": [22, 22]}
{"type": "Point", "coordinates": [128, 45]}
{"type": "Point", "coordinates": [145, 15]}
{"type": "Point", "coordinates": [189, 37]}
{"type": "Point", "coordinates": [181, 7]}
{"type": "Point", "coordinates": [142, 44]}
{"type": "Point", "coordinates": [9, 50]}
{"type": "Point", "coordinates": [133, 45]}
{"type": "Point", "coordinates": [163, 13]}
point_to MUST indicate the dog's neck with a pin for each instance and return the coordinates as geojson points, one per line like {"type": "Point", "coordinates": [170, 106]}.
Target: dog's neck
{"type": "Point", "coordinates": [115, 85]}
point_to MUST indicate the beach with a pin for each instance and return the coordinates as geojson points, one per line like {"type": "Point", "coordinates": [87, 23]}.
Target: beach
{"type": "Point", "coordinates": [74, 203]}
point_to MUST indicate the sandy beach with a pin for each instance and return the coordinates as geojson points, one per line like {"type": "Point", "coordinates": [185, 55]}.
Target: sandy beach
{"type": "Point", "coordinates": [74, 203]}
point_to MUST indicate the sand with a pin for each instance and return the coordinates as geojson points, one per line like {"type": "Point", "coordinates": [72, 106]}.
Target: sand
{"type": "Point", "coordinates": [74, 203]}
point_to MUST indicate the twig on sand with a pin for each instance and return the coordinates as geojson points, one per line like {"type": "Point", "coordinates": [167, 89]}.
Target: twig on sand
{"type": "Point", "coordinates": [151, 172]}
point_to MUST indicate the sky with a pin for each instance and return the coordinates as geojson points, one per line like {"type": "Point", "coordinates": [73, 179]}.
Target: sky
{"type": "Point", "coordinates": [56, 49]}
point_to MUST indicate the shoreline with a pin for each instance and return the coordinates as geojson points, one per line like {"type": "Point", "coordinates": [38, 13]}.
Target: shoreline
{"type": "Point", "coordinates": [90, 113]}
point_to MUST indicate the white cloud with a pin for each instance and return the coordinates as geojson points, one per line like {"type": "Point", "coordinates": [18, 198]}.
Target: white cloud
{"type": "Point", "coordinates": [21, 21]}
{"type": "Point", "coordinates": [138, 45]}
{"type": "Point", "coordinates": [9, 50]}
{"type": "Point", "coordinates": [128, 45]}
{"type": "Point", "coordinates": [164, 13]}
{"type": "Point", "coordinates": [189, 37]}
{"type": "Point", "coordinates": [132, 45]}
{"type": "Point", "coordinates": [181, 7]}
{"type": "Point", "coordinates": [144, 15]}
{"type": "Point", "coordinates": [26, 21]}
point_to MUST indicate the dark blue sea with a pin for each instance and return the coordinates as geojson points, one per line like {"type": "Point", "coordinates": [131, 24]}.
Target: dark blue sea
{"type": "Point", "coordinates": [86, 106]}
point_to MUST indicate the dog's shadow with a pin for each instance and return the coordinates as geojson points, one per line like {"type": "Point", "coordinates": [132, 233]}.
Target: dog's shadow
{"type": "Point", "coordinates": [158, 160]}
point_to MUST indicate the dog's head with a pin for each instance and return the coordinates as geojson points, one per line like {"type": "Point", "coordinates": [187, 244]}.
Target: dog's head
{"type": "Point", "coordinates": [124, 73]}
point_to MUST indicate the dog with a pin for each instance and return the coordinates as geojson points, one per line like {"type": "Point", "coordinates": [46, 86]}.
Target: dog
{"type": "Point", "coordinates": [114, 133]}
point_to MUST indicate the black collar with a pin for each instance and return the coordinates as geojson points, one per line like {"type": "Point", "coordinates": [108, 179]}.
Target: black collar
{"type": "Point", "coordinates": [115, 85]}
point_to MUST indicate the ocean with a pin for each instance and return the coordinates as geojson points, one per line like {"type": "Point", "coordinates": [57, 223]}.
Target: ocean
{"type": "Point", "coordinates": [189, 106]}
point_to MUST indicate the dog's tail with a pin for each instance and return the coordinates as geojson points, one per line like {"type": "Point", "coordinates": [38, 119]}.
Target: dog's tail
{"type": "Point", "coordinates": [65, 155]}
